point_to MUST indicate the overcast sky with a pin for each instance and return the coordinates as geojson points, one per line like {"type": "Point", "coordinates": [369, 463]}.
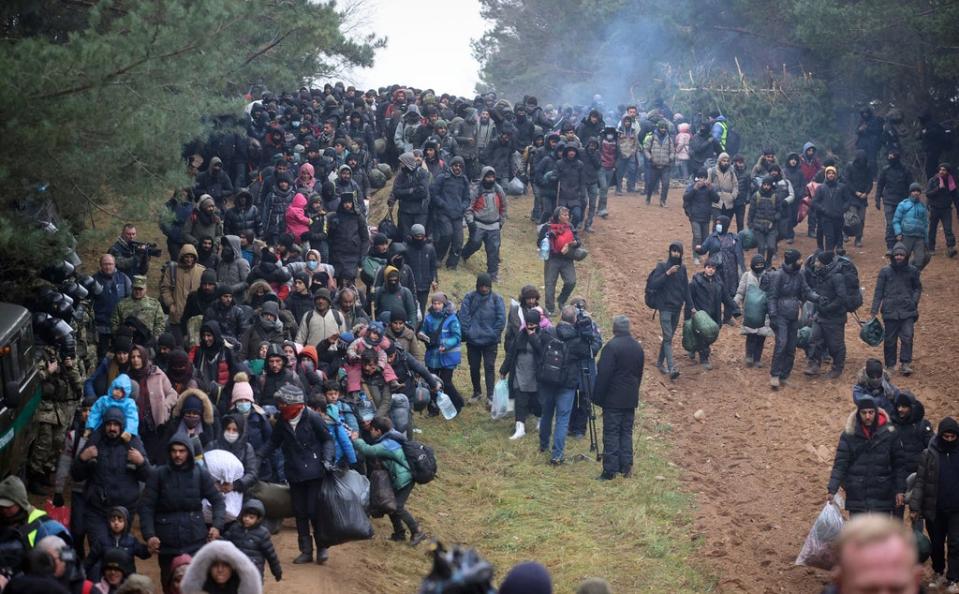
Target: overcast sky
{"type": "Point", "coordinates": [429, 45]}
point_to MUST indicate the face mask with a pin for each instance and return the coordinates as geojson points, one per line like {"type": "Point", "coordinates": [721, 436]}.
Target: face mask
{"type": "Point", "coordinates": [230, 436]}
{"type": "Point", "coordinates": [723, 166]}
{"type": "Point", "coordinates": [719, 228]}
{"type": "Point", "coordinates": [244, 407]}
{"type": "Point", "coordinates": [191, 422]}
{"type": "Point", "coordinates": [488, 184]}
{"type": "Point", "coordinates": [312, 264]}
{"type": "Point", "coordinates": [296, 123]}
{"type": "Point", "coordinates": [675, 259]}
{"type": "Point", "coordinates": [307, 366]}
{"type": "Point", "coordinates": [290, 411]}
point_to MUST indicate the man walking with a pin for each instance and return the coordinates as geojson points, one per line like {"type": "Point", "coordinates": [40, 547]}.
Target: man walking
{"type": "Point", "coordinates": [667, 290]}
{"type": "Point", "coordinates": [482, 320]}
{"type": "Point", "coordinates": [619, 374]}
{"type": "Point", "coordinates": [898, 290]}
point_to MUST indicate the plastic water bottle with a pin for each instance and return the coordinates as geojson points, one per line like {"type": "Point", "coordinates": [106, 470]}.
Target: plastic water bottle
{"type": "Point", "coordinates": [446, 405]}
{"type": "Point", "coordinates": [544, 249]}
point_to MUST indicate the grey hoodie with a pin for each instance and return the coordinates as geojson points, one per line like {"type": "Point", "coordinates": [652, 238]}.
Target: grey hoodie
{"type": "Point", "coordinates": [235, 271]}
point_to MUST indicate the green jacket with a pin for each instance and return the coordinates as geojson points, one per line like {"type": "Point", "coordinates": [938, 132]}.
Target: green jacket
{"type": "Point", "coordinates": [390, 451]}
{"type": "Point", "coordinates": [148, 310]}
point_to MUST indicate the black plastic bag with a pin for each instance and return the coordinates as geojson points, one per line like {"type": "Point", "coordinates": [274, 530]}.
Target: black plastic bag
{"type": "Point", "coordinates": [872, 332]}
{"type": "Point", "coordinates": [382, 497]}
{"type": "Point", "coordinates": [343, 498]}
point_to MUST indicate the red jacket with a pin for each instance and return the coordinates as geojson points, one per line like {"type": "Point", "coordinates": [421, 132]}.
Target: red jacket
{"type": "Point", "coordinates": [561, 234]}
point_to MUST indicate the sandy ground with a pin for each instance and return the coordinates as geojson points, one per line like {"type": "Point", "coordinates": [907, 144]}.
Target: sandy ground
{"type": "Point", "coordinates": [759, 462]}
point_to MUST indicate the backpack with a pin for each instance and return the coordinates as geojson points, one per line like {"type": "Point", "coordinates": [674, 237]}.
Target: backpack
{"type": "Point", "coordinates": [651, 295]}
{"type": "Point", "coordinates": [552, 368]}
{"type": "Point", "coordinates": [733, 141]}
{"type": "Point", "coordinates": [336, 317]}
{"type": "Point", "coordinates": [388, 228]}
{"type": "Point", "coordinates": [420, 461]}
{"type": "Point", "coordinates": [850, 275]}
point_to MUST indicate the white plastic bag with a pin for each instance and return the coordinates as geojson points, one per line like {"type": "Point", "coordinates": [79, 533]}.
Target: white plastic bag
{"type": "Point", "coordinates": [500, 406]}
{"type": "Point", "coordinates": [818, 550]}
{"type": "Point", "coordinates": [224, 467]}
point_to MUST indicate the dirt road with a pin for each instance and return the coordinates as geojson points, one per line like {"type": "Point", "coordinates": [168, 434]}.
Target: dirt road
{"type": "Point", "coordinates": [760, 460]}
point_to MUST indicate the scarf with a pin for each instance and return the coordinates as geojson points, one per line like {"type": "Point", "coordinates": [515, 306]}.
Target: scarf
{"type": "Point", "coordinates": [948, 183]}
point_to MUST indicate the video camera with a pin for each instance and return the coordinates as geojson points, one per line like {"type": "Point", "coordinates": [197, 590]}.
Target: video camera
{"type": "Point", "coordinates": [147, 249]}
{"type": "Point", "coordinates": [584, 323]}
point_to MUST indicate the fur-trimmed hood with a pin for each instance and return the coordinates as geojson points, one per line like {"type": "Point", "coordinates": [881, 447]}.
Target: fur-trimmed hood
{"type": "Point", "coordinates": [207, 405]}
{"type": "Point", "coordinates": [884, 421]}
{"type": "Point", "coordinates": [221, 550]}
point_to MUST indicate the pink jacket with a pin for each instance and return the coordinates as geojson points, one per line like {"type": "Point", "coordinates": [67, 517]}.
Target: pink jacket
{"type": "Point", "coordinates": [682, 142]}
{"type": "Point", "coordinates": [297, 223]}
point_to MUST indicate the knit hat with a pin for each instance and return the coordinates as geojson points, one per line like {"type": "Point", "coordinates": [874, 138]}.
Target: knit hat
{"type": "Point", "coordinates": [438, 296]}
{"type": "Point", "coordinates": [757, 262]}
{"type": "Point", "coordinates": [380, 239]}
{"type": "Point", "coordinates": [533, 316]}
{"type": "Point", "coordinates": [825, 257]}
{"type": "Point", "coordinates": [620, 325]}
{"type": "Point", "coordinates": [289, 394]}
{"type": "Point", "coordinates": [302, 277]}
{"type": "Point", "coordinates": [122, 343]}
{"type": "Point", "coordinates": [397, 316]}
{"type": "Point", "coordinates": [527, 578]}
{"type": "Point", "coordinates": [724, 221]}
{"type": "Point", "coordinates": [874, 368]}
{"type": "Point", "coordinates": [914, 187]}
{"type": "Point", "coordinates": [417, 229]}
{"type": "Point", "coordinates": [166, 340]}
{"type": "Point", "coordinates": [791, 256]}
{"type": "Point", "coordinates": [905, 398]}
{"type": "Point", "coordinates": [322, 293]}
{"type": "Point", "coordinates": [242, 390]}
{"type": "Point", "coordinates": [483, 279]}
{"type": "Point", "coordinates": [208, 277]}
{"type": "Point", "coordinates": [866, 402]}
{"type": "Point", "coordinates": [390, 270]}
{"type": "Point", "coordinates": [192, 403]}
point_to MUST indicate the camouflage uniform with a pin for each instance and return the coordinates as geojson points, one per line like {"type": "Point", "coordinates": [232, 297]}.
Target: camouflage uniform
{"type": "Point", "coordinates": [86, 332]}
{"type": "Point", "coordinates": [61, 393]}
{"type": "Point", "coordinates": [148, 310]}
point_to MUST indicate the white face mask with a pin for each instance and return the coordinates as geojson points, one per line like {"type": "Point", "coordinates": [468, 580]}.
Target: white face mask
{"type": "Point", "coordinates": [719, 228]}
{"type": "Point", "coordinates": [230, 436]}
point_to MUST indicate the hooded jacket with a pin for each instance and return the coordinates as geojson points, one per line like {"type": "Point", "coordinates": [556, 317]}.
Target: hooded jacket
{"type": "Point", "coordinates": [698, 203]}
{"type": "Point", "coordinates": [893, 184]}
{"type": "Point", "coordinates": [911, 219]}
{"type": "Point", "coordinates": [870, 467]}
{"type": "Point", "coordinates": [672, 290]}
{"type": "Point", "coordinates": [619, 373]}
{"type": "Point", "coordinates": [929, 495]}
{"type": "Point", "coordinates": [487, 205]}
{"type": "Point", "coordinates": [442, 328]}
{"type": "Point", "coordinates": [709, 295]}
{"type": "Point", "coordinates": [450, 195]}
{"type": "Point", "coordinates": [725, 183]}
{"type": "Point", "coordinates": [389, 449]}
{"type": "Point", "coordinates": [412, 189]}
{"type": "Point", "coordinates": [240, 448]}
{"type": "Point", "coordinates": [172, 508]}
{"type": "Point", "coordinates": [109, 477]}
{"type": "Point", "coordinates": [200, 224]}
{"type": "Point", "coordinates": [572, 180]}
{"type": "Point", "coordinates": [209, 426]}
{"type": "Point", "coordinates": [126, 405]}
{"type": "Point", "coordinates": [232, 269]}
{"type": "Point", "coordinates": [810, 166]}
{"type": "Point", "coordinates": [914, 433]}
{"type": "Point", "coordinates": [297, 223]}
{"type": "Point", "coordinates": [786, 293]}
{"type": "Point", "coordinates": [858, 174]}
{"type": "Point", "coordinates": [941, 192]}
{"type": "Point", "coordinates": [898, 289]}
{"type": "Point", "coordinates": [349, 240]}
{"type": "Point", "coordinates": [246, 579]}
{"type": "Point", "coordinates": [832, 199]}
{"type": "Point", "coordinates": [482, 318]}
{"type": "Point", "coordinates": [830, 284]}
{"type": "Point", "coordinates": [274, 207]}
{"type": "Point", "coordinates": [104, 542]}
{"type": "Point", "coordinates": [177, 282]}
{"type": "Point", "coordinates": [217, 185]}
{"type": "Point", "coordinates": [587, 129]}
{"type": "Point", "coordinates": [255, 542]}
{"type": "Point", "coordinates": [244, 216]}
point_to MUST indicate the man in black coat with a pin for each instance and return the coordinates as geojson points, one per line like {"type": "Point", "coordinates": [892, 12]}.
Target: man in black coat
{"type": "Point", "coordinates": [619, 374]}
{"type": "Point", "coordinates": [897, 294]}
{"type": "Point", "coordinates": [450, 197]}
{"type": "Point", "coordinates": [914, 429]}
{"type": "Point", "coordinates": [868, 463]}
{"type": "Point", "coordinates": [172, 506]}
{"type": "Point", "coordinates": [707, 293]}
{"type": "Point", "coordinates": [112, 469]}
{"type": "Point", "coordinates": [829, 328]}
{"type": "Point", "coordinates": [891, 189]}
{"type": "Point", "coordinates": [412, 189]}
{"type": "Point", "coordinates": [787, 290]}
{"type": "Point", "coordinates": [308, 454]}
{"type": "Point", "coordinates": [668, 287]}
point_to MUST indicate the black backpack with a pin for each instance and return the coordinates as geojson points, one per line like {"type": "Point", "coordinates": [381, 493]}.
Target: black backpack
{"type": "Point", "coordinates": [651, 295]}
{"type": "Point", "coordinates": [552, 367]}
{"type": "Point", "coordinates": [420, 460]}
{"type": "Point", "coordinates": [850, 275]}
{"type": "Point", "coordinates": [388, 228]}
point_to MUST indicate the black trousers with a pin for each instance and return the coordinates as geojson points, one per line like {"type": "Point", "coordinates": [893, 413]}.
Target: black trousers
{"type": "Point", "coordinates": [898, 332]}
{"type": "Point", "coordinates": [579, 417]}
{"type": "Point", "coordinates": [754, 346]}
{"type": "Point", "coordinates": [304, 496]}
{"type": "Point", "coordinates": [446, 376]}
{"type": "Point", "coordinates": [784, 353]}
{"type": "Point", "coordinates": [487, 356]}
{"type": "Point", "coordinates": [618, 439]}
{"type": "Point", "coordinates": [944, 216]}
{"type": "Point", "coordinates": [943, 533]}
{"type": "Point", "coordinates": [401, 515]}
{"type": "Point", "coordinates": [829, 336]}
{"type": "Point", "coordinates": [526, 403]}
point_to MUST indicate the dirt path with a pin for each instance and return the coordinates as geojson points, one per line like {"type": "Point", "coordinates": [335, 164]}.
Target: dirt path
{"type": "Point", "coordinates": [760, 461]}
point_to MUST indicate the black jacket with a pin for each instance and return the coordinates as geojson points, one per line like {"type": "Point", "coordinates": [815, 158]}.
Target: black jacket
{"type": "Point", "coordinates": [172, 508]}
{"type": "Point", "coordinates": [499, 156]}
{"type": "Point", "coordinates": [871, 470]}
{"type": "Point", "coordinates": [243, 451]}
{"type": "Point", "coordinates": [710, 296]}
{"type": "Point", "coordinates": [349, 239]}
{"type": "Point", "coordinates": [305, 449]}
{"type": "Point", "coordinates": [897, 294]}
{"type": "Point", "coordinates": [516, 343]}
{"type": "Point", "coordinates": [450, 195]}
{"type": "Point", "coordinates": [572, 182]}
{"type": "Point", "coordinates": [698, 203]}
{"type": "Point", "coordinates": [422, 260]}
{"type": "Point", "coordinates": [672, 291]}
{"type": "Point", "coordinates": [109, 481]}
{"type": "Point", "coordinates": [940, 197]}
{"type": "Point", "coordinates": [412, 191]}
{"type": "Point", "coordinates": [242, 217]}
{"type": "Point", "coordinates": [831, 199]}
{"type": "Point", "coordinates": [577, 351]}
{"type": "Point", "coordinates": [893, 184]}
{"type": "Point", "coordinates": [927, 488]}
{"type": "Point", "coordinates": [787, 291]}
{"type": "Point", "coordinates": [913, 435]}
{"type": "Point", "coordinates": [829, 283]}
{"type": "Point", "coordinates": [619, 373]}
{"type": "Point", "coordinates": [255, 542]}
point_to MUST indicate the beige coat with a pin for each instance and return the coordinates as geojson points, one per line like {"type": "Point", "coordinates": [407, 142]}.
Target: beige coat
{"type": "Point", "coordinates": [176, 287]}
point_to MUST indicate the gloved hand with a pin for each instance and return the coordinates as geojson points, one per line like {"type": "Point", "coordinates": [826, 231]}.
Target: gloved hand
{"type": "Point", "coordinates": [58, 500]}
{"type": "Point", "coordinates": [328, 466]}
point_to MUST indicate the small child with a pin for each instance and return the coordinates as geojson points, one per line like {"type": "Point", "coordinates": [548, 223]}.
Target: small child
{"type": "Point", "coordinates": [337, 409]}
{"type": "Point", "coordinates": [682, 152]}
{"type": "Point", "coordinates": [117, 537]}
{"type": "Point", "coordinates": [340, 432]}
{"type": "Point", "coordinates": [371, 338]}
{"type": "Point", "coordinates": [118, 396]}
{"type": "Point", "coordinates": [252, 537]}
{"type": "Point", "coordinates": [257, 363]}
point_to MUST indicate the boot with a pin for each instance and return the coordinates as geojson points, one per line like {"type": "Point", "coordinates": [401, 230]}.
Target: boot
{"type": "Point", "coordinates": [905, 369]}
{"type": "Point", "coordinates": [322, 555]}
{"type": "Point", "coordinates": [306, 551]}
{"type": "Point", "coordinates": [812, 369]}
{"type": "Point", "coordinates": [834, 373]}
{"type": "Point", "coordinates": [749, 362]}
{"type": "Point", "coordinates": [520, 431]}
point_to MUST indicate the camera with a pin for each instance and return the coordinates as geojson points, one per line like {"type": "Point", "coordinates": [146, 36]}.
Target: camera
{"type": "Point", "coordinates": [584, 323]}
{"type": "Point", "coordinates": [150, 249]}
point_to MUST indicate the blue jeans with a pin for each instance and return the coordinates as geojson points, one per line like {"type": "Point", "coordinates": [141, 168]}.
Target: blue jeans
{"type": "Point", "coordinates": [668, 321]}
{"type": "Point", "coordinates": [559, 400]}
{"type": "Point", "coordinates": [607, 177]}
{"type": "Point", "coordinates": [626, 169]}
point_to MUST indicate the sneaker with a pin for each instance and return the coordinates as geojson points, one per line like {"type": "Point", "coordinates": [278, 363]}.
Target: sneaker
{"type": "Point", "coordinates": [749, 362]}
{"type": "Point", "coordinates": [648, 200]}
{"type": "Point", "coordinates": [938, 581]}
{"type": "Point", "coordinates": [398, 537]}
{"type": "Point", "coordinates": [858, 243]}
{"type": "Point", "coordinates": [588, 229]}
{"type": "Point", "coordinates": [812, 369]}
{"type": "Point", "coordinates": [662, 368]}
{"type": "Point", "coordinates": [691, 355]}
{"type": "Point", "coordinates": [774, 382]}
{"type": "Point", "coordinates": [662, 204]}
{"type": "Point", "coordinates": [556, 461]}
{"type": "Point", "coordinates": [707, 365]}
{"type": "Point", "coordinates": [905, 369]}
{"type": "Point", "coordinates": [790, 241]}
{"type": "Point", "coordinates": [416, 538]}
{"type": "Point", "coordinates": [603, 213]}
{"type": "Point", "coordinates": [834, 373]}
{"type": "Point", "coordinates": [952, 588]}
{"type": "Point", "coordinates": [759, 364]}
{"type": "Point", "coordinates": [674, 374]}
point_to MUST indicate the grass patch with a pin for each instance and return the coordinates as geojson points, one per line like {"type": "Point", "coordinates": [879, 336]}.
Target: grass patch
{"type": "Point", "coordinates": [504, 499]}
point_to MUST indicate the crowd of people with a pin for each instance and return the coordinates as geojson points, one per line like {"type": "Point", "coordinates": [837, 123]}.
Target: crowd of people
{"type": "Point", "coordinates": [291, 333]}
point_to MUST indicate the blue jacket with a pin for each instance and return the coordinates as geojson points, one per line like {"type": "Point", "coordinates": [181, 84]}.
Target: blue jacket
{"type": "Point", "coordinates": [911, 219]}
{"type": "Point", "coordinates": [129, 407]}
{"type": "Point", "coordinates": [115, 288]}
{"type": "Point", "coordinates": [342, 446]}
{"type": "Point", "coordinates": [482, 318]}
{"type": "Point", "coordinates": [443, 329]}
{"type": "Point", "coordinates": [343, 412]}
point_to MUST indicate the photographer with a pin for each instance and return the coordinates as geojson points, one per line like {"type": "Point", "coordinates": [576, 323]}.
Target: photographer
{"type": "Point", "coordinates": [565, 351]}
{"type": "Point", "coordinates": [132, 257]}
{"type": "Point", "coordinates": [617, 392]}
